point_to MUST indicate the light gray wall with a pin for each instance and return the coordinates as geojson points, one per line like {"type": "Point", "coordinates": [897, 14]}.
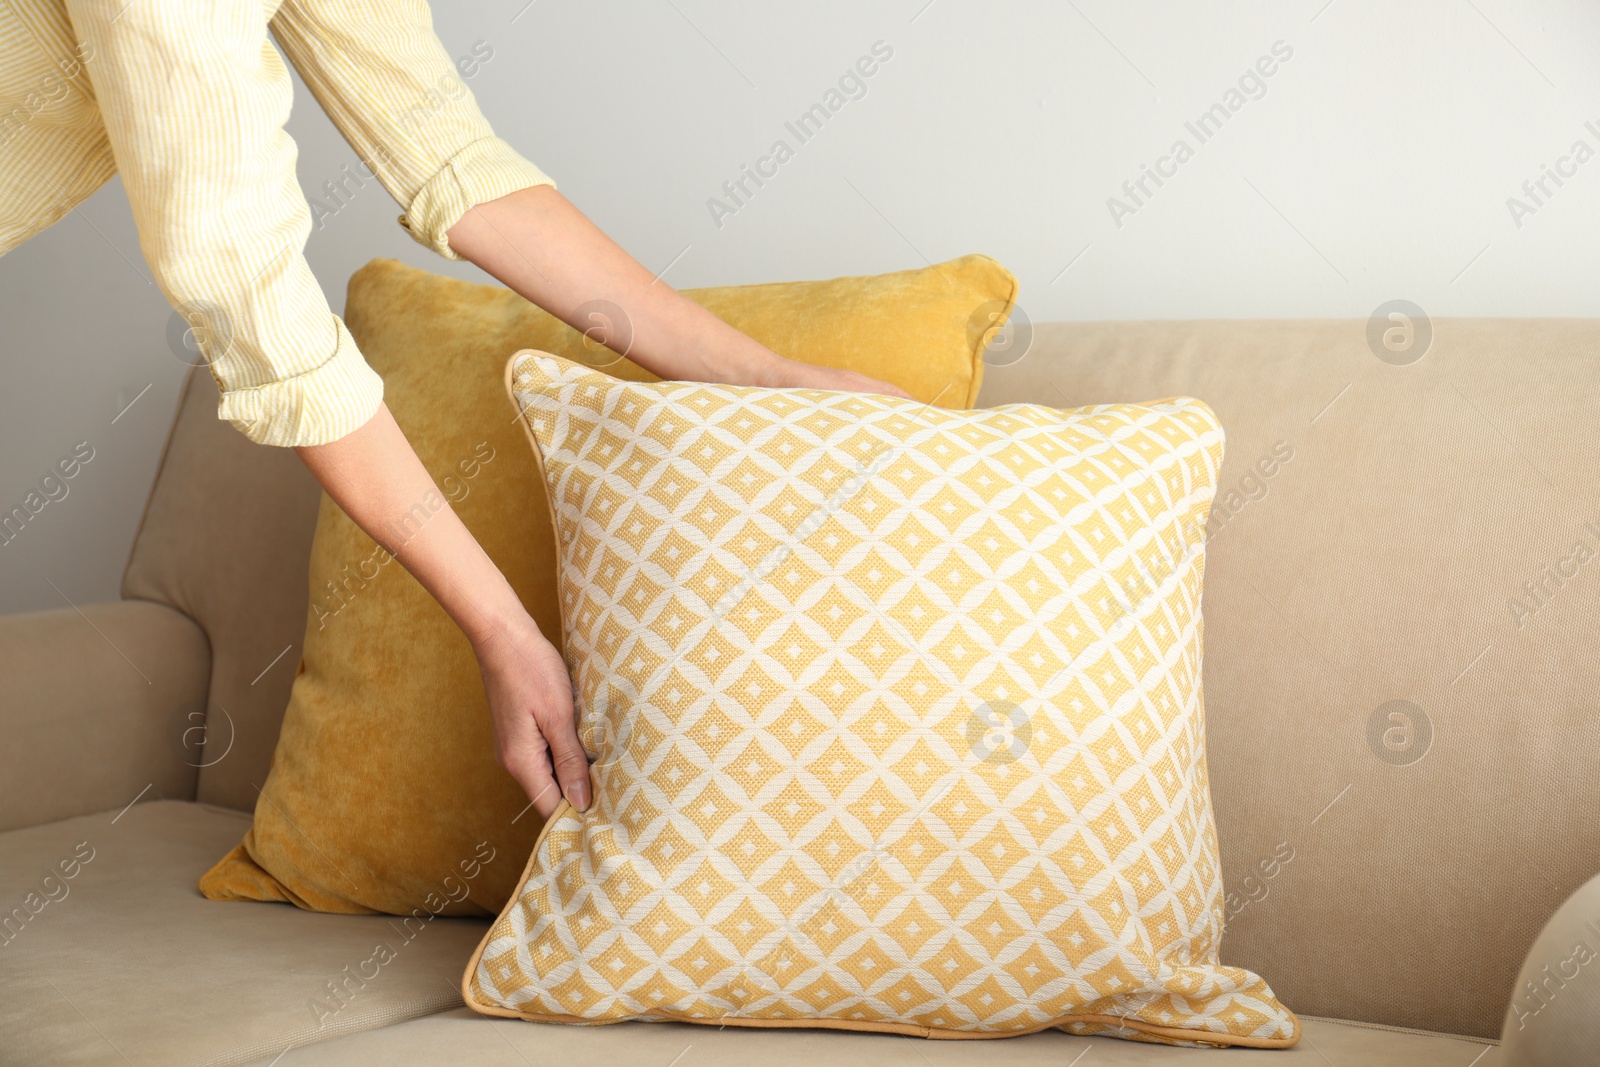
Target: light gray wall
{"type": "Point", "coordinates": [1376, 164]}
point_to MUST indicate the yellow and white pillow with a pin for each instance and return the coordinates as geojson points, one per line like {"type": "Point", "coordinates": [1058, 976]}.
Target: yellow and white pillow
{"type": "Point", "coordinates": [895, 717]}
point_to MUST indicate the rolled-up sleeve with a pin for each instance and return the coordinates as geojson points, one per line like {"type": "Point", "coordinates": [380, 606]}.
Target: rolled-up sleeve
{"type": "Point", "coordinates": [380, 72]}
{"type": "Point", "coordinates": [194, 99]}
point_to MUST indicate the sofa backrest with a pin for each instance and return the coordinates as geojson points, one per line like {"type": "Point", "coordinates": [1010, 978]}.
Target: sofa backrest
{"type": "Point", "coordinates": [1402, 761]}
{"type": "Point", "coordinates": [1379, 708]}
{"type": "Point", "coordinates": [226, 539]}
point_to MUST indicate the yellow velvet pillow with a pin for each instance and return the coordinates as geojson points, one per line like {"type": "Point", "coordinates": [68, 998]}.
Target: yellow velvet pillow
{"type": "Point", "coordinates": [895, 716]}
{"type": "Point", "coordinates": [384, 793]}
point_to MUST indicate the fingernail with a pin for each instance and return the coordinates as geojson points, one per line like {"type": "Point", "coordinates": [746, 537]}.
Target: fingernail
{"type": "Point", "coordinates": [578, 794]}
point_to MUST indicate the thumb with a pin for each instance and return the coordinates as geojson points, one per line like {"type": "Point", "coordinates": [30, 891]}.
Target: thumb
{"type": "Point", "coordinates": [570, 763]}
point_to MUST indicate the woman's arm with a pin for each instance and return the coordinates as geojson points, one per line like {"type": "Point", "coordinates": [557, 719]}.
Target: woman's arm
{"type": "Point", "coordinates": [377, 479]}
{"type": "Point", "coordinates": [540, 245]}
{"type": "Point", "coordinates": [383, 77]}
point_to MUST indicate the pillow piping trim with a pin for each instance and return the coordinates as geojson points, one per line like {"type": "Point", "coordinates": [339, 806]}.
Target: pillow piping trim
{"type": "Point", "coordinates": [905, 1029]}
{"type": "Point", "coordinates": [978, 350]}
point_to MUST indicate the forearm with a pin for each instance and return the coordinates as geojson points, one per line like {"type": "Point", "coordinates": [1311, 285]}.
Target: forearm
{"type": "Point", "coordinates": [542, 247]}
{"type": "Point", "coordinates": [373, 474]}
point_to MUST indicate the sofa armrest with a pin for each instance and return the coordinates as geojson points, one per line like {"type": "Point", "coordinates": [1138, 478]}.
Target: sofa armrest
{"type": "Point", "coordinates": [98, 705]}
{"type": "Point", "coordinates": [1553, 1019]}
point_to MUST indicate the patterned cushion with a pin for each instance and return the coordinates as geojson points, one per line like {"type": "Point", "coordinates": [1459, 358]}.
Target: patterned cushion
{"type": "Point", "coordinates": [895, 717]}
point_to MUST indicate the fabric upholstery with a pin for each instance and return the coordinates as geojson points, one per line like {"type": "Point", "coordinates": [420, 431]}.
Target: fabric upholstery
{"type": "Point", "coordinates": [224, 539]}
{"type": "Point", "coordinates": [460, 1036]}
{"type": "Point", "coordinates": [66, 751]}
{"type": "Point", "coordinates": [894, 715]}
{"type": "Point", "coordinates": [1352, 926]}
{"type": "Point", "coordinates": [1554, 1016]}
{"type": "Point", "coordinates": [387, 727]}
{"type": "Point", "coordinates": [123, 961]}
{"type": "Point", "coordinates": [175, 979]}
{"type": "Point", "coordinates": [1380, 563]}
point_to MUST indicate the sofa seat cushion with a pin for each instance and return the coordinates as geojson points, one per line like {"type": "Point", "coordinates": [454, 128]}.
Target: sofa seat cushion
{"type": "Point", "coordinates": [461, 1036]}
{"type": "Point", "coordinates": [128, 963]}
{"type": "Point", "coordinates": [109, 954]}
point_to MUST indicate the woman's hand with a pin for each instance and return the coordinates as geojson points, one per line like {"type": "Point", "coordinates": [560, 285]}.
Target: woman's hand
{"type": "Point", "coordinates": [530, 701]}
{"type": "Point", "coordinates": [792, 374]}
{"type": "Point", "coordinates": [373, 474]}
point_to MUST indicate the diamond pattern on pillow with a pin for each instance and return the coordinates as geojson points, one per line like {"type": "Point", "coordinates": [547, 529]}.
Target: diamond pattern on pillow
{"type": "Point", "coordinates": [894, 713]}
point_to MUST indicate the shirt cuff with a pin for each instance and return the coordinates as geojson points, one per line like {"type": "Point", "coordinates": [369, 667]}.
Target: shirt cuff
{"type": "Point", "coordinates": [485, 170]}
{"type": "Point", "coordinates": [316, 407]}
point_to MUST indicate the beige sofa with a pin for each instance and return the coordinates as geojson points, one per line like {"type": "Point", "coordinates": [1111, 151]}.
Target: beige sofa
{"type": "Point", "coordinates": [1377, 522]}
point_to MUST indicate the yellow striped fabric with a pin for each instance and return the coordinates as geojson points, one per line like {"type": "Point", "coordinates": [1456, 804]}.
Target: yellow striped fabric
{"type": "Point", "coordinates": [187, 100]}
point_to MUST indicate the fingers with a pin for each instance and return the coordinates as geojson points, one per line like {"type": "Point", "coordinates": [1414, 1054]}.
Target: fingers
{"type": "Point", "coordinates": [527, 760]}
{"type": "Point", "coordinates": [894, 390]}
{"type": "Point", "coordinates": [571, 764]}
{"type": "Point", "coordinates": [542, 789]}
{"type": "Point", "coordinates": [874, 385]}
{"type": "Point", "coordinates": [530, 698]}
{"type": "Point", "coordinates": [556, 719]}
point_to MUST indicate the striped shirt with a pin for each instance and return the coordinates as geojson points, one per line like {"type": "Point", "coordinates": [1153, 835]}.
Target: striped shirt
{"type": "Point", "coordinates": [187, 100]}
